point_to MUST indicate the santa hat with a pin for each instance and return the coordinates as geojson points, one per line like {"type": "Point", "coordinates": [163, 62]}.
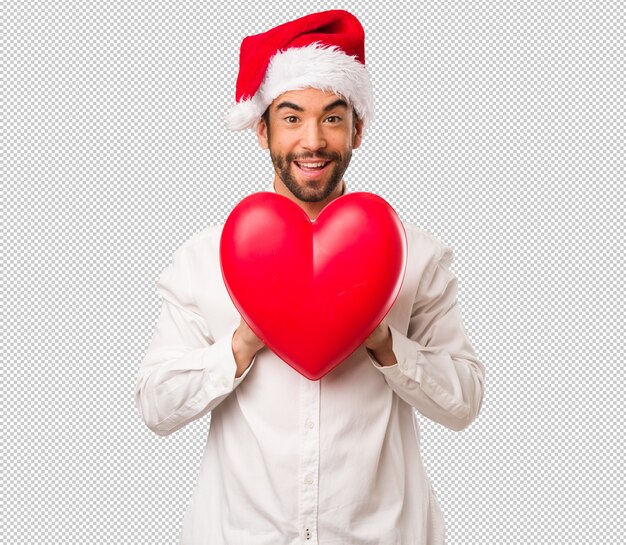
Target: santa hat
{"type": "Point", "coordinates": [323, 50]}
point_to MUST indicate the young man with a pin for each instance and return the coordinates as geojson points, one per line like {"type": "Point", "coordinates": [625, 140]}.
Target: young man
{"type": "Point", "coordinates": [289, 460]}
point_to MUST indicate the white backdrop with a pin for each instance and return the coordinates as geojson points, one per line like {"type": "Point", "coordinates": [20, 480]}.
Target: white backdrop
{"type": "Point", "coordinates": [497, 130]}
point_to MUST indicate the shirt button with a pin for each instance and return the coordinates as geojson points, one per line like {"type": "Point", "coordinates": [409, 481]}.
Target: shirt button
{"type": "Point", "coordinates": [309, 423]}
{"type": "Point", "coordinates": [224, 382]}
{"type": "Point", "coordinates": [308, 479]}
{"type": "Point", "coordinates": [404, 365]}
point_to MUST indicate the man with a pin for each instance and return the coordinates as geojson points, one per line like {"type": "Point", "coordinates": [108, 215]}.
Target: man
{"type": "Point", "coordinates": [289, 460]}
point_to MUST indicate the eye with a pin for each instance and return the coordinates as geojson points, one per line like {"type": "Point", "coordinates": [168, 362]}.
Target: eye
{"type": "Point", "coordinates": [291, 119]}
{"type": "Point", "coordinates": [333, 119]}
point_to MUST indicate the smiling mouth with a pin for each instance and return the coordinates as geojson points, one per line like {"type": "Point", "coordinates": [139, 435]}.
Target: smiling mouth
{"type": "Point", "coordinates": [312, 166]}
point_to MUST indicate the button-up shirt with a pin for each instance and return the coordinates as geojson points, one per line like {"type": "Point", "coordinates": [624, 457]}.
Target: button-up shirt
{"type": "Point", "coordinates": [293, 461]}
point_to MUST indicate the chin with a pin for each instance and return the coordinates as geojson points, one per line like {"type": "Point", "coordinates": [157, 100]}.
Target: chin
{"type": "Point", "coordinates": [309, 195]}
{"type": "Point", "coordinates": [313, 190]}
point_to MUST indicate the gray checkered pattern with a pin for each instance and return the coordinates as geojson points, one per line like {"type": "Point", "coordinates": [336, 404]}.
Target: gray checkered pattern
{"type": "Point", "coordinates": [497, 129]}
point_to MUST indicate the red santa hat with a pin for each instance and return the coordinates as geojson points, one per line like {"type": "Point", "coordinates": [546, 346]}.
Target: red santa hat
{"type": "Point", "coordinates": [323, 50]}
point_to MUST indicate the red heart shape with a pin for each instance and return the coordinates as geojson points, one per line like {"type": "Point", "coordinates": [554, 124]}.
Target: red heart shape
{"type": "Point", "coordinates": [313, 291]}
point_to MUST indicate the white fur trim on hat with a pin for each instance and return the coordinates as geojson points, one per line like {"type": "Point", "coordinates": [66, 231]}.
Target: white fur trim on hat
{"type": "Point", "coordinates": [318, 66]}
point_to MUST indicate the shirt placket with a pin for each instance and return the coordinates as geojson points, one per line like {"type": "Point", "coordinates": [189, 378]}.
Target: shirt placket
{"type": "Point", "coordinates": [309, 460]}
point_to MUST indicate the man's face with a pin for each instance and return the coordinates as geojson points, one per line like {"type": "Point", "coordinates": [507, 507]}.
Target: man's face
{"type": "Point", "coordinates": [311, 136]}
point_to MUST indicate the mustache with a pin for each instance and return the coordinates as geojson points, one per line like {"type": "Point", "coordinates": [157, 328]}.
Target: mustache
{"type": "Point", "coordinates": [322, 155]}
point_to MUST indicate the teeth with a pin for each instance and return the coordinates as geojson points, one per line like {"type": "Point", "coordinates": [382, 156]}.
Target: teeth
{"type": "Point", "coordinates": [312, 165]}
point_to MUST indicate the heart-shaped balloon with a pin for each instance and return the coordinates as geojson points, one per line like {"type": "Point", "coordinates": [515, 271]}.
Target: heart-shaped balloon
{"type": "Point", "coordinates": [313, 291]}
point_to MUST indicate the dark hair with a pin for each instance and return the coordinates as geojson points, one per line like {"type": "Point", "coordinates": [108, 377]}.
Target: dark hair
{"type": "Point", "coordinates": [266, 118]}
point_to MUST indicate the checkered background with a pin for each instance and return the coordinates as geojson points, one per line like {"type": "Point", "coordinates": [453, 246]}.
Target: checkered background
{"type": "Point", "coordinates": [499, 128]}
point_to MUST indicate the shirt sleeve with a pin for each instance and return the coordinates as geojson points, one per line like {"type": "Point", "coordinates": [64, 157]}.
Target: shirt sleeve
{"type": "Point", "coordinates": [437, 371]}
{"type": "Point", "coordinates": [186, 372]}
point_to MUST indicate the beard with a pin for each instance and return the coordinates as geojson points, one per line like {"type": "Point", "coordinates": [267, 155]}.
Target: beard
{"type": "Point", "coordinates": [311, 190]}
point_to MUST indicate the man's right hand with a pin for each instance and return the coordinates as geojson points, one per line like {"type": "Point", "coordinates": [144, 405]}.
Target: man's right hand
{"type": "Point", "coordinates": [245, 345]}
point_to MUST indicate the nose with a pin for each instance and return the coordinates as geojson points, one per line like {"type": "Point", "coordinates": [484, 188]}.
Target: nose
{"type": "Point", "coordinates": [313, 136]}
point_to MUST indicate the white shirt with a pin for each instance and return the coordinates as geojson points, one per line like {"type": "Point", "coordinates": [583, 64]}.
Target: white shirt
{"type": "Point", "coordinates": [292, 461]}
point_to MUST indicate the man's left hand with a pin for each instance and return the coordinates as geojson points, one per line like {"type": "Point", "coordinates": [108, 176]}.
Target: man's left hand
{"type": "Point", "coordinates": [380, 344]}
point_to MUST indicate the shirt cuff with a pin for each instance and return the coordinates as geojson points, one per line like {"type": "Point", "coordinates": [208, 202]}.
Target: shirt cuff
{"type": "Point", "coordinates": [222, 351]}
{"type": "Point", "coordinates": [407, 355]}
{"type": "Point", "coordinates": [237, 381]}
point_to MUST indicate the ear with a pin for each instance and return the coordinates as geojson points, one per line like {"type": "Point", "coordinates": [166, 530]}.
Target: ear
{"type": "Point", "coordinates": [358, 133]}
{"type": "Point", "coordinates": [261, 134]}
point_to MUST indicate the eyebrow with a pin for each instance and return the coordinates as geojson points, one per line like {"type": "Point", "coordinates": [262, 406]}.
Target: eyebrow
{"type": "Point", "coordinates": [289, 105]}
{"type": "Point", "coordinates": [331, 106]}
{"type": "Point", "coordinates": [336, 104]}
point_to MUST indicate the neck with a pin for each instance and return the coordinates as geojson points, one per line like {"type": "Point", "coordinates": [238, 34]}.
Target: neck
{"type": "Point", "coordinates": [312, 209]}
